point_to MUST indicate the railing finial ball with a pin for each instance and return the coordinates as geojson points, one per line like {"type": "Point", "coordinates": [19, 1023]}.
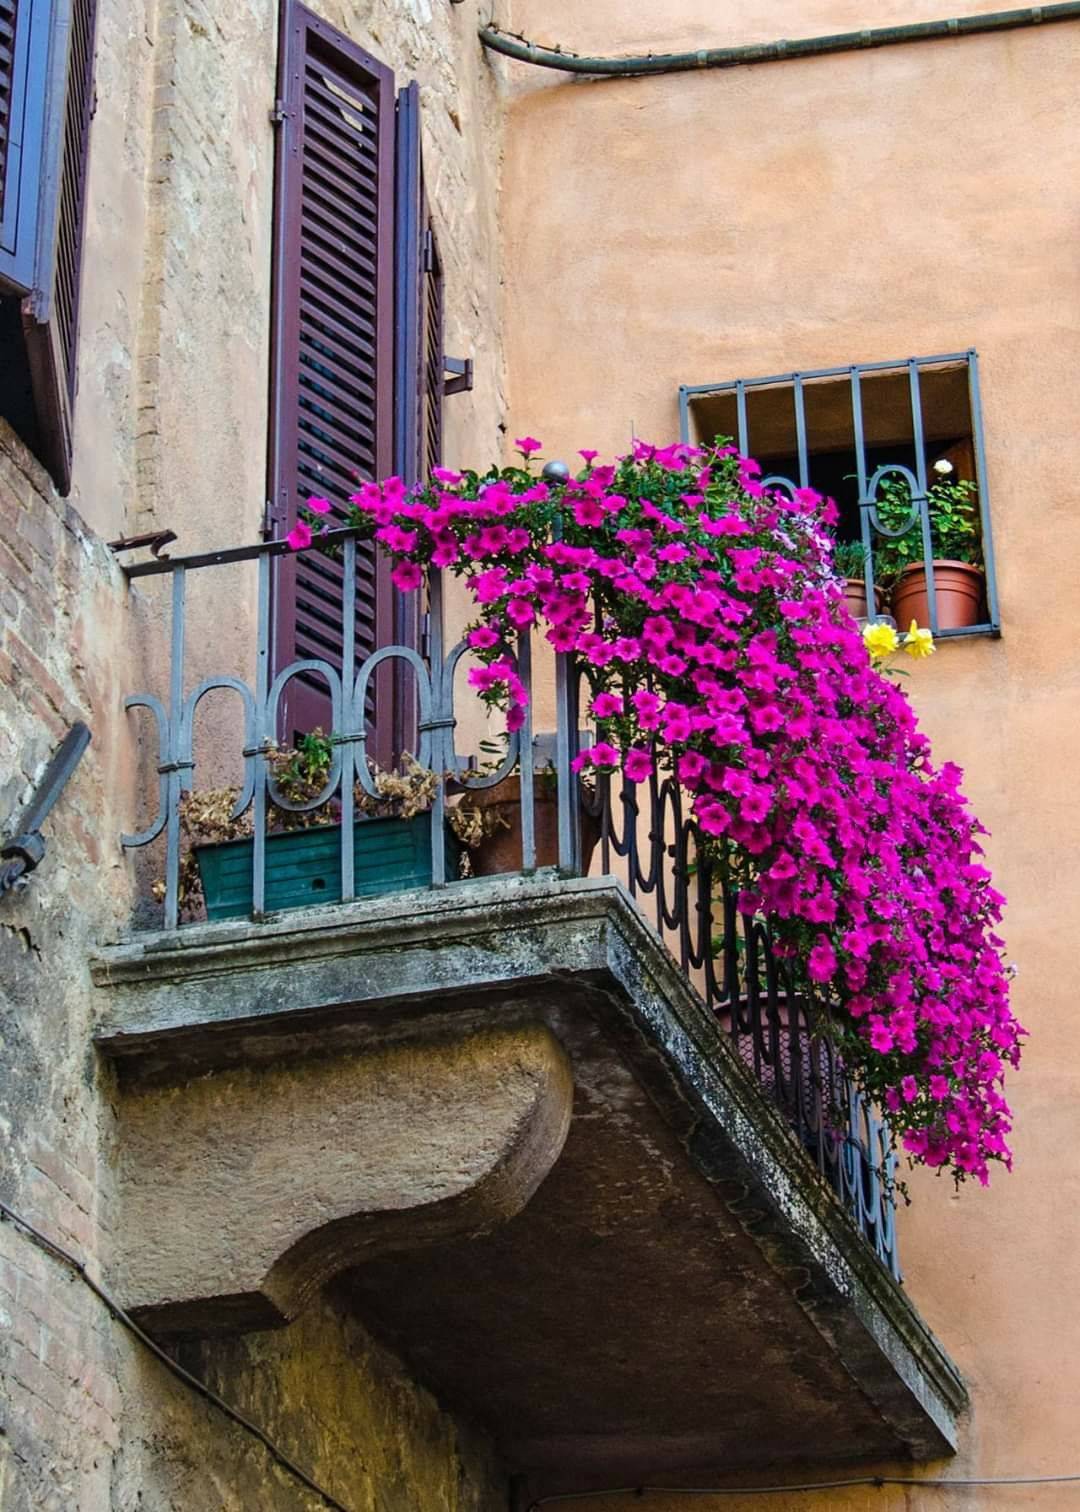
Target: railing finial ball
{"type": "Point", "coordinates": [555, 472]}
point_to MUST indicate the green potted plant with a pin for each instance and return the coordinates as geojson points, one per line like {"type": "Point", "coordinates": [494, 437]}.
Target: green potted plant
{"type": "Point", "coordinates": [954, 543]}
{"type": "Point", "coordinates": [849, 561]}
{"type": "Point", "coordinates": [391, 837]}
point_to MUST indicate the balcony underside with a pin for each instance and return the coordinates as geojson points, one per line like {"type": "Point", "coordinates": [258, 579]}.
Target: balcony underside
{"type": "Point", "coordinates": [568, 1206]}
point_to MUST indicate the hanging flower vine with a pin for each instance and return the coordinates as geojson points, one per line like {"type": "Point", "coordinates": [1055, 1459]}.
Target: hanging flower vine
{"type": "Point", "coordinates": [718, 648]}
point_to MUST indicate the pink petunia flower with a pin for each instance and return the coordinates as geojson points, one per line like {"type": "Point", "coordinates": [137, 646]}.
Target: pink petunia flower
{"type": "Point", "coordinates": [638, 764]}
{"type": "Point", "coordinates": [605, 705]}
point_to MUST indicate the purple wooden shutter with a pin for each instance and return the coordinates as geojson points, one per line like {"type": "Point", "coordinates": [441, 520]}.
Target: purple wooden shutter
{"type": "Point", "coordinates": [332, 377]}
{"type": "Point", "coordinates": [24, 73]}
{"type": "Point", "coordinates": [46, 102]}
{"type": "Point", "coordinates": [418, 362]}
{"type": "Point", "coordinates": [431, 436]}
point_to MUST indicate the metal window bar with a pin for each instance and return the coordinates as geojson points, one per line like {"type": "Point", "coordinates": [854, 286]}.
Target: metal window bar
{"type": "Point", "coordinates": [777, 1029]}
{"type": "Point", "coordinates": [869, 480]}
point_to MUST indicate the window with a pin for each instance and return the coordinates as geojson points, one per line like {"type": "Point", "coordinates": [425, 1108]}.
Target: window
{"type": "Point", "coordinates": [898, 445]}
{"type": "Point", "coordinates": [46, 101]}
{"type": "Point", "coordinates": [356, 378]}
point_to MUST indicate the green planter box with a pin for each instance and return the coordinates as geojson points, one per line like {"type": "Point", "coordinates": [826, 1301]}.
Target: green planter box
{"type": "Point", "coordinates": [303, 867]}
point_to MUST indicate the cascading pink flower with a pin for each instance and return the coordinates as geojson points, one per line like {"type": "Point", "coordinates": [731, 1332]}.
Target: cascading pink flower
{"type": "Point", "coordinates": [702, 604]}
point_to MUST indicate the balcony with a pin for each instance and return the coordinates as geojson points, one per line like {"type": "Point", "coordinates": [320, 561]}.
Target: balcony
{"type": "Point", "coordinates": [562, 1135]}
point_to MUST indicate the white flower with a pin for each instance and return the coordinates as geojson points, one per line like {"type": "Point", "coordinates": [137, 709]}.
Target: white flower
{"type": "Point", "coordinates": [943, 467]}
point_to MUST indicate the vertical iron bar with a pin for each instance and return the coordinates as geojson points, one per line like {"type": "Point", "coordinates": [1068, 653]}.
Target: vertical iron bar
{"type": "Point", "coordinates": [975, 406]}
{"type": "Point", "coordinates": [442, 733]}
{"type": "Point", "coordinates": [564, 777]}
{"type": "Point", "coordinates": [262, 737]}
{"type": "Point", "coordinates": [920, 474]}
{"type": "Point", "coordinates": [176, 716]}
{"type": "Point", "coordinates": [800, 431]}
{"type": "Point", "coordinates": [525, 757]}
{"type": "Point", "coordinates": [684, 415]}
{"type": "Point", "coordinates": [740, 410]}
{"type": "Point", "coordinates": [352, 718]}
{"type": "Point", "coordinates": [864, 503]}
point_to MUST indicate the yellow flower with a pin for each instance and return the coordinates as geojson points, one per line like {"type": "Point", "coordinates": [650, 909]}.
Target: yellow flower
{"type": "Point", "coordinates": [880, 640]}
{"type": "Point", "coordinates": [918, 642]}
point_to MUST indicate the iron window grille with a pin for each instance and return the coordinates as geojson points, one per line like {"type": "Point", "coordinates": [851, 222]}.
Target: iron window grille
{"type": "Point", "coordinates": [847, 431]}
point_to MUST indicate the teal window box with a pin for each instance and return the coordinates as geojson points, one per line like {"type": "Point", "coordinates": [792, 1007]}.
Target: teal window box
{"type": "Point", "coordinates": [303, 867]}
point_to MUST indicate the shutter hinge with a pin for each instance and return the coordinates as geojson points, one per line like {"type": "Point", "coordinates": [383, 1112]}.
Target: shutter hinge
{"type": "Point", "coordinates": [268, 520]}
{"type": "Point", "coordinates": [461, 370]}
{"type": "Point", "coordinates": [279, 114]}
{"type": "Point", "coordinates": [428, 258]}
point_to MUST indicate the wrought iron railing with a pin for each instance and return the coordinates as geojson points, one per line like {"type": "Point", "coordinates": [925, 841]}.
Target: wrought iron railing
{"type": "Point", "coordinates": [643, 834]}
{"type": "Point", "coordinates": [777, 1022]}
{"type": "Point", "coordinates": [836, 430]}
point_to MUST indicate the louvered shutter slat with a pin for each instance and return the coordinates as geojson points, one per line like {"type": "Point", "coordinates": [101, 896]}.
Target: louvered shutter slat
{"type": "Point", "coordinates": [332, 376]}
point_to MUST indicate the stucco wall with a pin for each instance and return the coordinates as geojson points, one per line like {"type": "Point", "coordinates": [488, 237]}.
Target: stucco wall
{"type": "Point", "coordinates": [871, 206]}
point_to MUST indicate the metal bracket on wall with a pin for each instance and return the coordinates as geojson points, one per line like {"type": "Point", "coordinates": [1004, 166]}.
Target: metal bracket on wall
{"type": "Point", "coordinates": [461, 369]}
{"type": "Point", "coordinates": [24, 851]}
{"type": "Point", "coordinates": [154, 539]}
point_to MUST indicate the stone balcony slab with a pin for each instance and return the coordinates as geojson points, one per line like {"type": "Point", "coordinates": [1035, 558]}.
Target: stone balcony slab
{"type": "Point", "coordinates": [533, 1164]}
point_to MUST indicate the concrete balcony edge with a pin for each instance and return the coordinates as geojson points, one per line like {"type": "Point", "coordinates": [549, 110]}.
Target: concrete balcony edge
{"type": "Point", "coordinates": [365, 973]}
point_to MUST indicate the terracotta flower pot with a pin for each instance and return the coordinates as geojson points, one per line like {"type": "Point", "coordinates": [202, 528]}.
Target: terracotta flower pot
{"type": "Point", "coordinates": [959, 590]}
{"type": "Point", "coordinates": [855, 597]}
{"type": "Point", "coordinates": [501, 851]}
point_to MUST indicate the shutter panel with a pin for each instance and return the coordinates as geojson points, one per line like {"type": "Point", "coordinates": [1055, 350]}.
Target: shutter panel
{"type": "Point", "coordinates": [418, 365]}
{"type": "Point", "coordinates": [408, 286]}
{"type": "Point", "coordinates": [332, 384]}
{"type": "Point", "coordinates": [24, 76]}
{"type": "Point", "coordinates": [431, 433]}
{"type": "Point", "coordinates": [51, 319]}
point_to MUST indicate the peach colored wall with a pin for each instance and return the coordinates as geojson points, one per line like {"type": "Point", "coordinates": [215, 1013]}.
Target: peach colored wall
{"type": "Point", "coordinates": [871, 206]}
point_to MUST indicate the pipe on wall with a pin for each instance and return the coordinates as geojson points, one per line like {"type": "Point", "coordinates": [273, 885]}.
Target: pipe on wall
{"type": "Point", "coordinates": [775, 52]}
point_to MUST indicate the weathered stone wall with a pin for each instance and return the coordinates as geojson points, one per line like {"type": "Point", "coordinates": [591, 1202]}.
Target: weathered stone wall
{"type": "Point", "coordinates": [87, 1420]}
{"type": "Point", "coordinates": [171, 432]}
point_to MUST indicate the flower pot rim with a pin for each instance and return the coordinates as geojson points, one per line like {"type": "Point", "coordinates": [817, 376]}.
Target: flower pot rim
{"type": "Point", "coordinates": [307, 829]}
{"type": "Point", "coordinates": [937, 562]}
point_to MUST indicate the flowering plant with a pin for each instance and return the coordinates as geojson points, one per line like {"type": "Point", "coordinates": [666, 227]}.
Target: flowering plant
{"type": "Point", "coordinates": [954, 522]}
{"type": "Point", "coordinates": [711, 623]}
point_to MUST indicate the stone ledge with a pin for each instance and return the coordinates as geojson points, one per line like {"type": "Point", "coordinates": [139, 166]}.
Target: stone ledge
{"type": "Point", "coordinates": [578, 957]}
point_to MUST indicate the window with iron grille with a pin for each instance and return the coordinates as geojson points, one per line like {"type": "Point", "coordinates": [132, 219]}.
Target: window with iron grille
{"type": "Point", "coordinates": [46, 102]}
{"type": "Point", "coordinates": [356, 379]}
{"type": "Point", "coordinates": [899, 446]}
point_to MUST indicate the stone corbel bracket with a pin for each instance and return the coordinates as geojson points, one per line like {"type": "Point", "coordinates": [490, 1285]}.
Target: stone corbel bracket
{"type": "Point", "coordinates": [244, 1191]}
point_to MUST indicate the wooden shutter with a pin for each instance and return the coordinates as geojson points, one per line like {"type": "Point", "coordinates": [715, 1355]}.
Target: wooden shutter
{"type": "Point", "coordinates": [332, 380]}
{"type": "Point", "coordinates": [46, 102]}
{"type": "Point", "coordinates": [24, 74]}
{"type": "Point", "coordinates": [432, 409]}
{"type": "Point", "coordinates": [418, 364]}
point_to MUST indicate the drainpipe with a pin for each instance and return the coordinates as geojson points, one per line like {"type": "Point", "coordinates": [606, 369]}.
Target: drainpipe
{"type": "Point", "coordinates": [776, 52]}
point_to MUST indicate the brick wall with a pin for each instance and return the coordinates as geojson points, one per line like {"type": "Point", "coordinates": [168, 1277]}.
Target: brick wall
{"type": "Point", "coordinates": [88, 1421]}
